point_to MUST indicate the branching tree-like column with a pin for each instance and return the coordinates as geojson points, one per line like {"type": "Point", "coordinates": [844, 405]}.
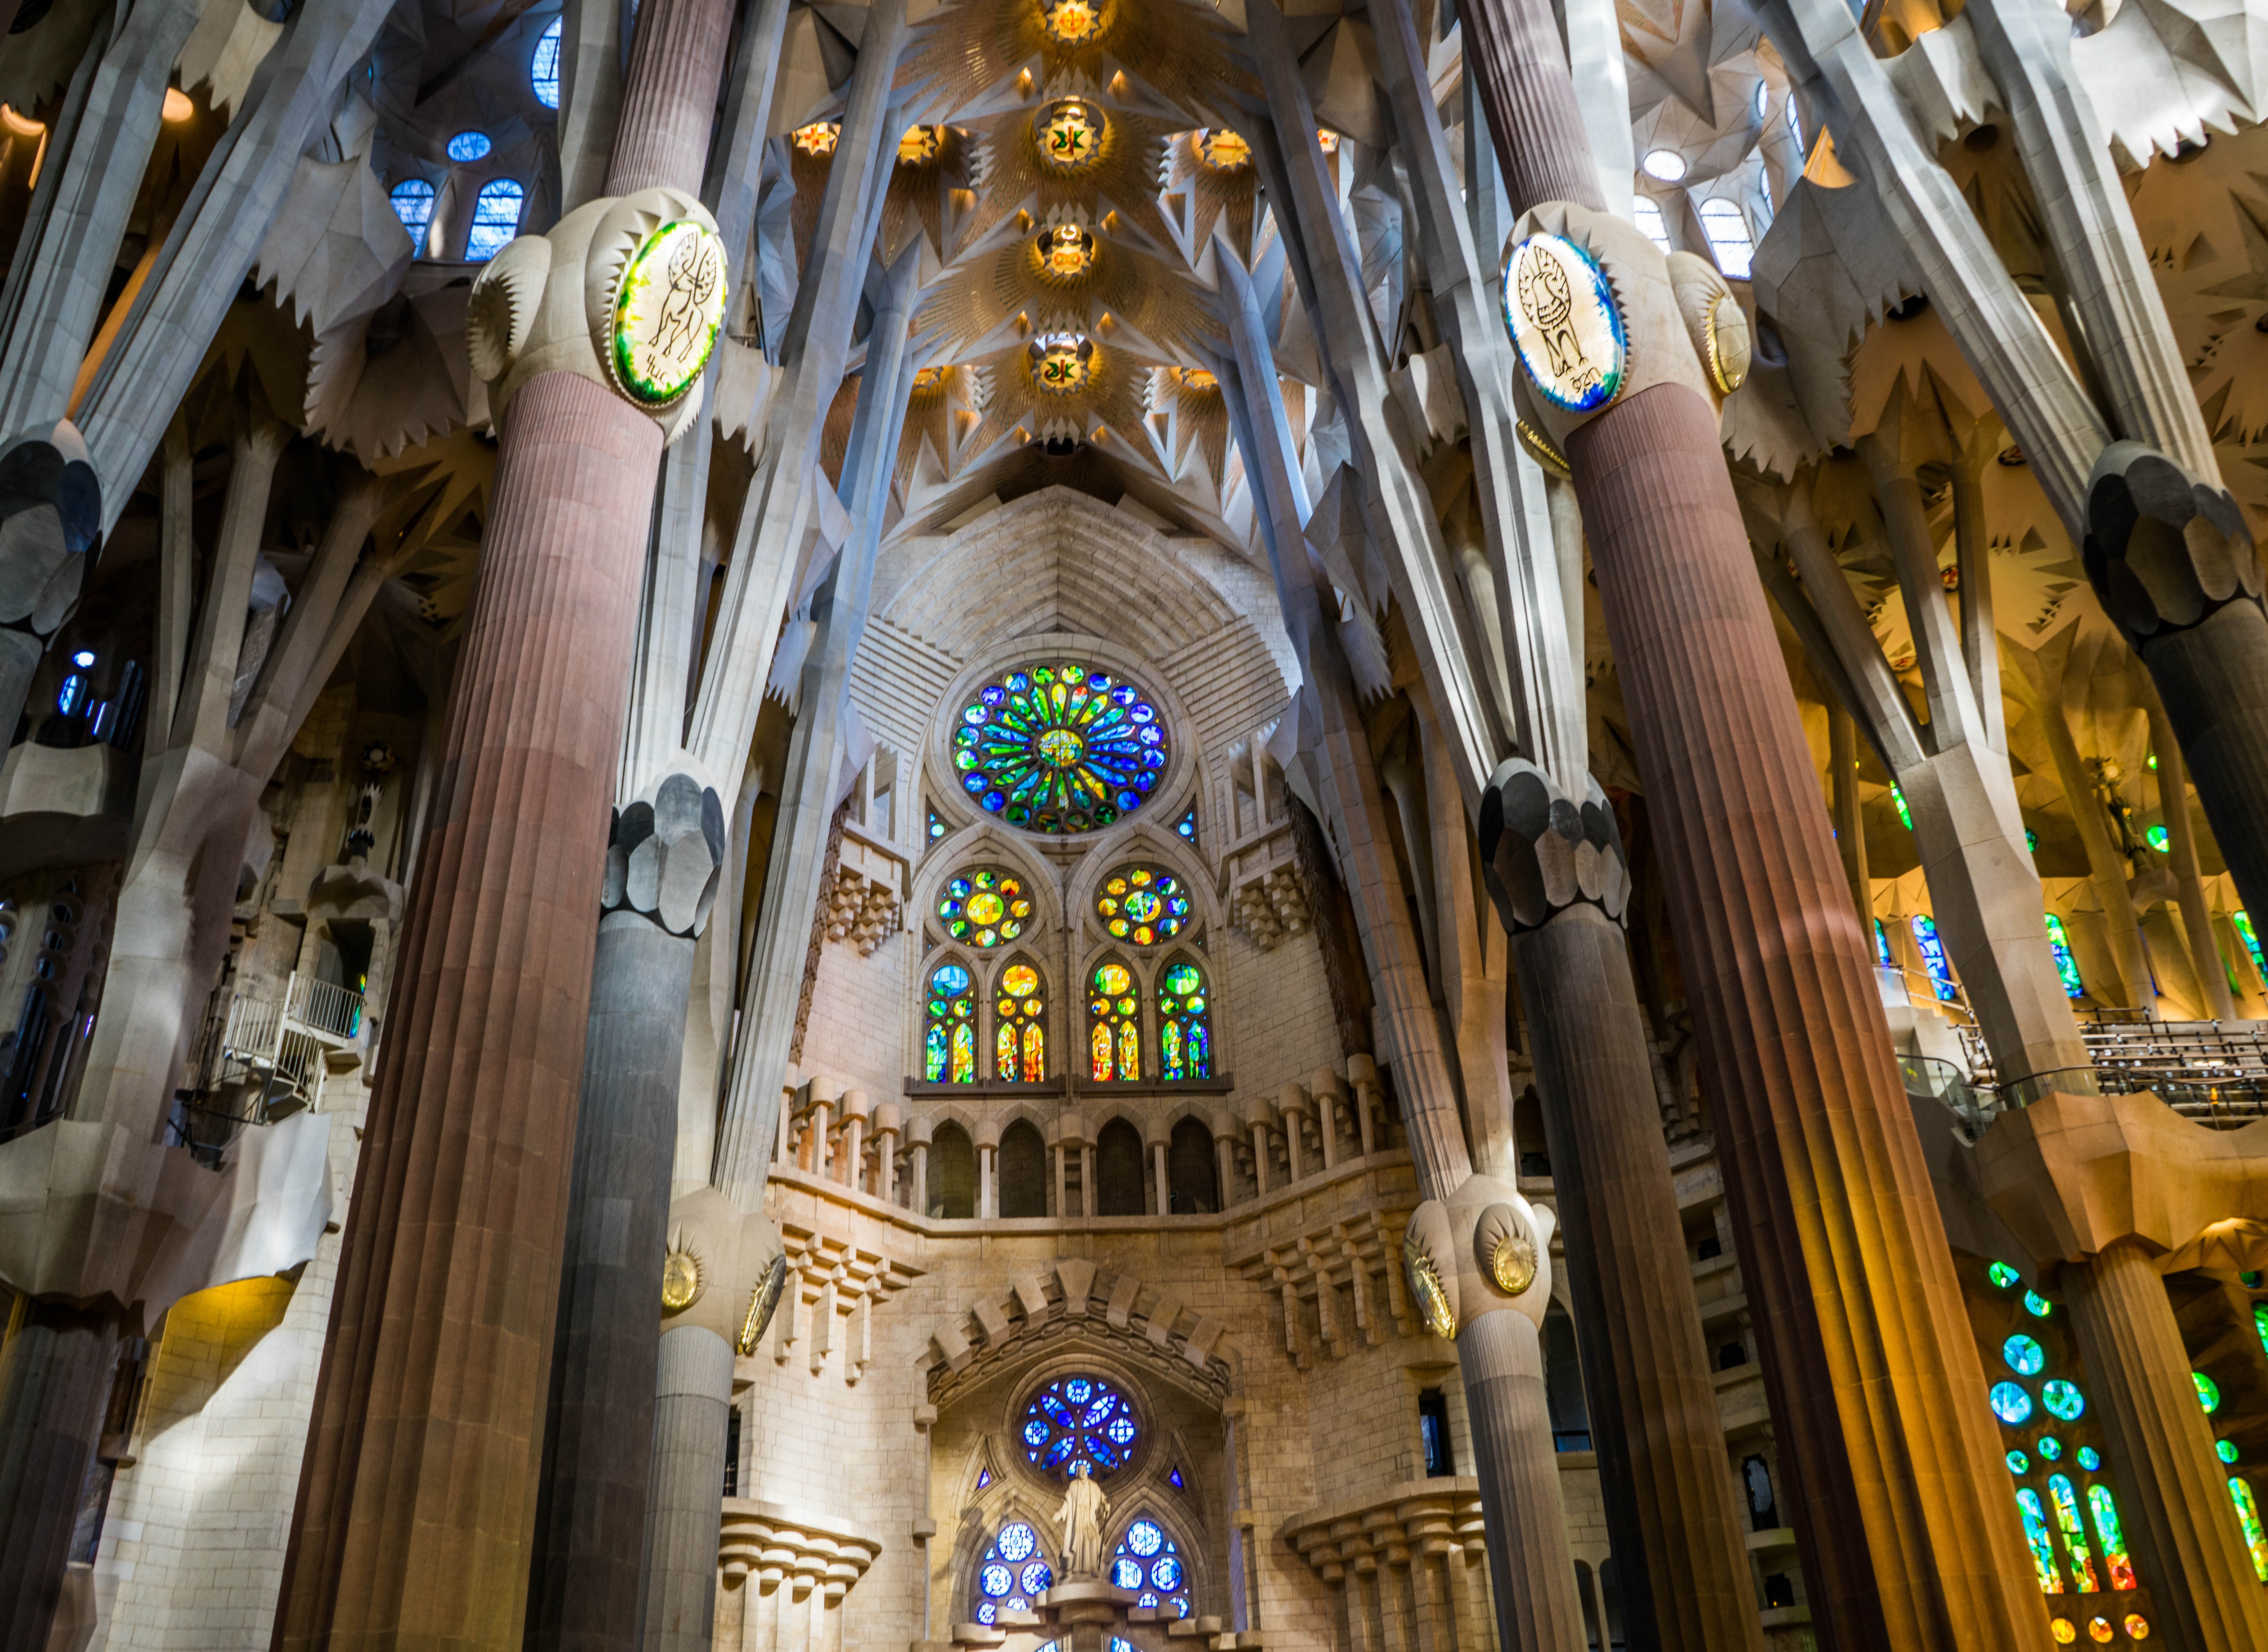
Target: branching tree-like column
{"type": "Point", "coordinates": [1868, 1357]}
{"type": "Point", "coordinates": [417, 1497]}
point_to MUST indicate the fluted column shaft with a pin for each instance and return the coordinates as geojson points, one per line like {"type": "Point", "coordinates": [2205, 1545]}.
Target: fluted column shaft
{"type": "Point", "coordinates": [589, 1526]}
{"type": "Point", "coordinates": [416, 1498]}
{"type": "Point", "coordinates": [669, 97]}
{"type": "Point", "coordinates": [2212, 680]}
{"type": "Point", "coordinates": [55, 1384]}
{"type": "Point", "coordinates": [692, 1408]}
{"type": "Point", "coordinates": [1501, 1358]}
{"type": "Point", "coordinates": [2178, 1521]}
{"type": "Point", "coordinates": [1681, 1555]}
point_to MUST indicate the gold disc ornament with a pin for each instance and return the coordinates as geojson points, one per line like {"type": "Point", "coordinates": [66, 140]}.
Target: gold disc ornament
{"type": "Point", "coordinates": [681, 1279]}
{"type": "Point", "coordinates": [668, 305]}
{"type": "Point", "coordinates": [764, 1302]}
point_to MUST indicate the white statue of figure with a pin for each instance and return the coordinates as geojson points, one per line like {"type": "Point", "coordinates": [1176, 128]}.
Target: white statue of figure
{"type": "Point", "coordinates": [1079, 1521]}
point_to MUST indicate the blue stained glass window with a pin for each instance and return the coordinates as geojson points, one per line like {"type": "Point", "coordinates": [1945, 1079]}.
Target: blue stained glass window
{"type": "Point", "coordinates": [2064, 1401]}
{"type": "Point", "coordinates": [413, 204]}
{"type": "Point", "coordinates": [983, 1479]}
{"type": "Point", "coordinates": [936, 825]}
{"type": "Point", "coordinates": [1186, 825]}
{"type": "Point", "coordinates": [1080, 1421]}
{"type": "Point", "coordinates": [67, 697]}
{"type": "Point", "coordinates": [1059, 748]}
{"type": "Point", "coordinates": [2036, 1305]}
{"type": "Point", "coordinates": [543, 68]}
{"type": "Point", "coordinates": [2089, 1458]}
{"type": "Point", "coordinates": [1146, 1561]}
{"type": "Point", "coordinates": [1176, 1477]}
{"type": "Point", "coordinates": [2066, 966]}
{"type": "Point", "coordinates": [2050, 1448]}
{"type": "Point", "coordinates": [2019, 1464]}
{"type": "Point", "coordinates": [2011, 1404]}
{"type": "Point", "coordinates": [1012, 1572]}
{"type": "Point", "coordinates": [469, 146]}
{"type": "Point", "coordinates": [2025, 1357]}
{"type": "Point", "coordinates": [1933, 958]}
{"type": "Point", "coordinates": [1882, 946]}
{"type": "Point", "coordinates": [495, 219]}
{"type": "Point", "coordinates": [2002, 1275]}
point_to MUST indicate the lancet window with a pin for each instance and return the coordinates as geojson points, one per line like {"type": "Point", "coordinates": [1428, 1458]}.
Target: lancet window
{"type": "Point", "coordinates": [1020, 1033]}
{"type": "Point", "coordinates": [949, 1038]}
{"type": "Point", "coordinates": [1147, 1561]}
{"type": "Point", "coordinates": [1015, 1570]}
{"type": "Point", "coordinates": [1184, 1022]}
{"type": "Point", "coordinates": [1114, 1024]}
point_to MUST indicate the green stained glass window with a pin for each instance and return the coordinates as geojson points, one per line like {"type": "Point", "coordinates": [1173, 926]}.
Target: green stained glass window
{"type": "Point", "coordinates": [2208, 1392]}
{"type": "Point", "coordinates": [2036, 1305]}
{"type": "Point", "coordinates": [985, 906]}
{"type": "Point", "coordinates": [2036, 1535]}
{"type": "Point", "coordinates": [2025, 1357]}
{"type": "Point", "coordinates": [2104, 1508]}
{"type": "Point", "coordinates": [2011, 1404]}
{"type": "Point", "coordinates": [2063, 1401]}
{"type": "Point", "coordinates": [1059, 748]}
{"type": "Point", "coordinates": [2226, 1450]}
{"type": "Point", "coordinates": [2001, 1274]}
{"type": "Point", "coordinates": [2260, 1322]}
{"type": "Point", "coordinates": [1905, 815]}
{"type": "Point", "coordinates": [1184, 1022]}
{"type": "Point", "coordinates": [949, 1037]}
{"type": "Point", "coordinates": [2247, 1521]}
{"type": "Point", "coordinates": [2019, 1464]}
{"type": "Point", "coordinates": [2066, 966]}
{"type": "Point", "coordinates": [1020, 1033]}
{"type": "Point", "coordinates": [2251, 939]}
{"type": "Point", "coordinates": [1143, 904]}
{"type": "Point", "coordinates": [2074, 1534]}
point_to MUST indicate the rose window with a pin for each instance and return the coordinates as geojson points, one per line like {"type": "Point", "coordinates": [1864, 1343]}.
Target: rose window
{"type": "Point", "coordinates": [1059, 748]}
{"type": "Point", "coordinates": [1147, 1561]}
{"type": "Point", "coordinates": [985, 906]}
{"type": "Point", "coordinates": [1143, 904]}
{"type": "Point", "coordinates": [1079, 1421]}
{"type": "Point", "coordinates": [1013, 1572]}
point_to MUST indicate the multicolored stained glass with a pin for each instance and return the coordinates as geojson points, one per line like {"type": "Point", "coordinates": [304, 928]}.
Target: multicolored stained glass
{"type": "Point", "coordinates": [2159, 838]}
{"type": "Point", "coordinates": [2112, 1534]}
{"type": "Point", "coordinates": [2066, 966]}
{"type": "Point", "coordinates": [2248, 1519]}
{"type": "Point", "coordinates": [2064, 1630]}
{"type": "Point", "coordinates": [1059, 748]}
{"type": "Point", "coordinates": [2000, 1274]}
{"type": "Point", "coordinates": [2063, 1401]}
{"type": "Point", "coordinates": [2035, 1534]}
{"type": "Point", "coordinates": [2137, 1626]}
{"type": "Point", "coordinates": [2019, 1464]}
{"type": "Point", "coordinates": [1185, 1025]}
{"type": "Point", "coordinates": [2099, 1630]}
{"type": "Point", "coordinates": [2050, 1447]}
{"type": "Point", "coordinates": [1905, 815]}
{"type": "Point", "coordinates": [1933, 958]}
{"type": "Point", "coordinates": [2089, 1458]}
{"type": "Point", "coordinates": [1079, 1423]}
{"type": "Point", "coordinates": [1882, 957]}
{"type": "Point", "coordinates": [1143, 904]}
{"type": "Point", "coordinates": [2011, 1404]}
{"type": "Point", "coordinates": [1013, 1572]}
{"type": "Point", "coordinates": [2025, 1357]}
{"type": "Point", "coordinates": [2036, 1305]}
{"type": "Point", "coordinates": [1146, 1560]}
{"type": "Point", "coordinates": [985, 906]}
{"type": "Point", "coordinates": [1020, 1033]}
{"type": "Point", "coordinates": [2208, 1392]}
{"type": "Point", "coordinates": [1114, 1024]}
{"type": "Point", "coordinates": [2075, 1533]}
{"type": "Point", "coordinates": [2251, 939]}
{"type": "Point", "coordinates": [949, 1039]}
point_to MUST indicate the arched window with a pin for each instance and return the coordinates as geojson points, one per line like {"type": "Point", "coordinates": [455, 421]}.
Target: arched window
{"type": "Point", "coordinates": [1148, 1560]}
{"type": "Point", "coordinates": [1184, 1024]}
{"type": "Point", "coordinates": [1020, 1033]}
{"type": "Point", "coordinates": [1729, 240]}
{"type": "Point", "coordinates": [1933, 958]}
{"type": "Point", "coordinates": [949, 1040]}
{"type": "Point", "coordinates": [413, 204]}
{"type": "Point", "coordinates": [1648, 215]}
{"type": "Point", "coordinates": [1079, 1422]}
{"type": "Point", "coordinates": [1118, 1171]}
{"type": "Point", "coordinates": [1015, 1570]}
{"type": "Point", "coordinates": [1059, 748]}
{"type": "Point", "coordinates": [495, 219]}
{"type": "Point", "coordinates": [1023, 1171]}
{"type": "Point", "coordinates": [985, 906]}
{"type": "Point", "coordinates": [543, 68]}
{"type": "Point", "coordinates": [2066, 966]}
{"type": "Point", "coordinates": [1143, 904]}
{"type": "Point", "coordinates": [952, 1173]}
{"type": "Point", "coordinates": [1192, 1174]}
{"type": "Point", "coordinates": [1114, 1024]}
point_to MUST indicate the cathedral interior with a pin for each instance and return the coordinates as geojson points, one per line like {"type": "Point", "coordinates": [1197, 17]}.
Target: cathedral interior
{"type": "Point", "coordinates": [1202, 825]}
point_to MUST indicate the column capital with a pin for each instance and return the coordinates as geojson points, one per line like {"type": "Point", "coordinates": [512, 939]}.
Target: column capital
{"type": "Point", "coordinates": [1484, 1248]}
{"type": "Point", "coordinates": [1541, 852]}
{"type": "Point", "coordinates": [2164, 551]}
{"type": "Point", "coordinates": [665, 855]}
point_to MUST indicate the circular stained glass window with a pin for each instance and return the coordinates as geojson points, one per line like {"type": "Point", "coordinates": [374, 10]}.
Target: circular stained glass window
{"type": "Point", "coordinates": [2089, 1458]}
{"type": "Point", "coordinates": [1143, 904]}
{"type": "Point", "coordinates": [1012, 1572]}
{"type": "Point", "coordinates": [2099, 1630]}
{"type": "Point", "coordinates": [2019, 1464]}
{"type": "Point", "coordinates": [2137, 1626]}
{"type": "Point", "coordinates": [2208, 1392]}
{"type": "Point", "coordinates": [2001, 1274]}
{"type": "Point", "coordinates": [1079, 1422]}
{"type": "Point", "coordinates": [2063, 1399]}
{"type": "Point", "coordinates": [469, 146]}
{"type": "Point", "coordinates": [985, 906]}
{"type": "Point", "coordinates": [2050, 1448]}
{"type": "Point", "coordinates": [2025, 1358]}
{"type": "Point", "coordinates": [1017, 1540]}
{"type": "Point", "coordinates": [2064, 1631]}
{"type": "Point", "coordinates": [995, 1581]}
{"type": "Point", "coordinates": [1147, 1562]}
{"type": "Point", "coordinates": [2011, 1404]}
{"type": "Point", "coordinates": [2226, 1450]}
{"type": "Point", "coordinates": [2038, 1306]}
{"type": "Point", "coordinates": [1059, 748]}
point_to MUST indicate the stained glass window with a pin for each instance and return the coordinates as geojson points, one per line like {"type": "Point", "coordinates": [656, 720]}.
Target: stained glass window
{"type": "Point", "coordinates": [2050, 1448]}
{"type": "Point", "coordinates": [936, 825]}
{"type": "Point", "coordinates": [2000, 1274]}
{"type": "Point", "coordinates": [985, 906]}
{"type": "Point", "coordinates": [469, 146]}
{"type": "Point", "coordinates": [2158, 840]}
{"type": "Point", "coordinates": [2036, 1305]}
{"type": "Point", "coordinates": [2064, 1401]}
{"type": "Point", "coordinates": [1143, 904]}
{"type": "Point", "coordinates": [2245, 933]}
{"type": "Point", "coordinates": [1079, 1422]}
{"type": "Point", "coordinates": [2035, 1534]}
{"type": "Point", "coordinates": [1933, 958]}
{"type": "Point", "coordinates": [495, 219]}
{"type": "Point", "coordinates": [1185, 1025]}
{"type": "Point", "coordinates": [2066, 966]}
{"type": "Point", "coordinates": [1059, 748]}
{"type": "Point", "coordinates": [1020, 1033]}
{"type": "Point", "coordinates": [1146, 1560]}
{"type": "Point", "coordinates": [543, 68]}
{"type": "Point", "coordinates": [2025, 1357]}
{"type": "Point", "coordinates": [2208, 1392]}
{"type": "Point", "coordinates": [1648, 215]}
{"type": "Point", "coordinates": [2074, 1534]}
{"type": "Point", "coordinates": [2089, 1458]}
{"type": "Point", "coordinates": [1905, 815]}
{"type": "Point", "coordinates": [1114, 1027]}
{"type": "Point", "coordinates": [2011, 1404]}
{"type": "Point", "coordinates": [2260, 1322]}
{"type": "Point", "coordinates": [1186, 825]}
{"type": "Point", "coordinates": [1882, 957]}
{"type": "Point", "coordinates": [2112, 1534]}
{"type": "Point", "coordinates": [2248, 1519]}
{"type": "Point", "coordinates": [413, 204]}
{"type": "Point", "coordinates": [1011, 1574]}
{"type": "Point", "coordinates": [949, 1042]}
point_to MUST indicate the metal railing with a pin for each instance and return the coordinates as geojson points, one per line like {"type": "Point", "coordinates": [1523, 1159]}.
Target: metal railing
{"type": "Point", "coordinates": [324, 1007]}
{"type": "Point", "coordinates": [2215, 1075]}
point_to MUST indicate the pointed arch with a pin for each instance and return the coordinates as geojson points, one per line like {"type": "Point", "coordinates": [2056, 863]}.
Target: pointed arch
{"type": "Point", "coordinates": [1114, 1022]}
{"type": "Point", "coordinates": [1192, 1178]}
{"type": "Point", "coordinates": [1022, 1177]}
{"type": "Point", "coordinates": [1118, 1179]}
{"type": "Point", "coordinates": [1185, 1019]}
{"type": "Point", "coordinates": [948, 1042]}
{"type": "Point", "coordinates": [1020, 1021]}
{"type": "Point", "coordinates": [952, 1173]}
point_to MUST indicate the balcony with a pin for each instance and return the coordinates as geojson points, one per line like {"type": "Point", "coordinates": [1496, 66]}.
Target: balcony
{"type": "Point", "coordinates": [265, 1061]}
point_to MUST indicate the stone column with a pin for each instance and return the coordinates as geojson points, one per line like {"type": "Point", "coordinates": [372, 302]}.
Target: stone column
{"type": "Point", "coordinates": [2181, 846]}
{"type": "Point", "coordinates": [855, 1110]}
{"type": "Point", "coordinates": [888, 1125]}
{"type": "Point", "coordinates": [663, 869]}
{"type": "Point", "coordinates": [1850, 823]}
{"type": "Point", "coordinates": [1257, 1113]}
{"type": "Point", "coordinates": [1291, 1103]}
{"type": "Point", "coordinates": [692, 1401]}
{"type": "Point", "coordinates": [1086, 1188]}
{"type": "Point", "coordinates": [416, 1498]}
{"type": "Point", "coordinates": [1557, 873]}
{"type": "Point", "coordinates": [55, 1386]}
{"type": "Point", "coordinates": [1224, 1162]}
{"type": "Point", "coordinates": [1501, 1359]}
{"type": "Point", "coordinates": [821, 1125]}
{"type": "Point", "coordinates": [2183, 1533]}
{"type": "Point", "coordinates": [1327, 1086]}
{"type": "Point", "coordinates": [1163, 1204]}
{"type": "Point", "coordinates": [1907, 1535]}
{"type": "Point", "coordinates": [1362, 1074]}
{"type": "Point", "coordinates": [988, 1147]}
{"type": "Point", "coordinates": [918, 1140]}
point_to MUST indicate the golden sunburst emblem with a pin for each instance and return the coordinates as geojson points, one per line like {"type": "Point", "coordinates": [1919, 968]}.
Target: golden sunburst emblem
{"type": "Point", "coordinates": [1195, 378]}
{"type": "Point", "coordinates": [764, 1302]}
{"type": "Point", "coordinates": [681, 1278]}
{"type": "Point", "coordinates": [1223, 150]}
{"type": "Point", "coordinates": [819, 138]}
{"type": "Point", "coordinates": [1075, 22]}
{"type": "Point", "coordinates": [1060, 362]}
{"type": "Point", "coordinates": [1065, 252]}
{"type": "Point", "coordinates": [1425, 1287]}
{"type": "Point", "coordinates": [1071, 135]}
{"type": "Point", "coordinates": [920, 145]}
